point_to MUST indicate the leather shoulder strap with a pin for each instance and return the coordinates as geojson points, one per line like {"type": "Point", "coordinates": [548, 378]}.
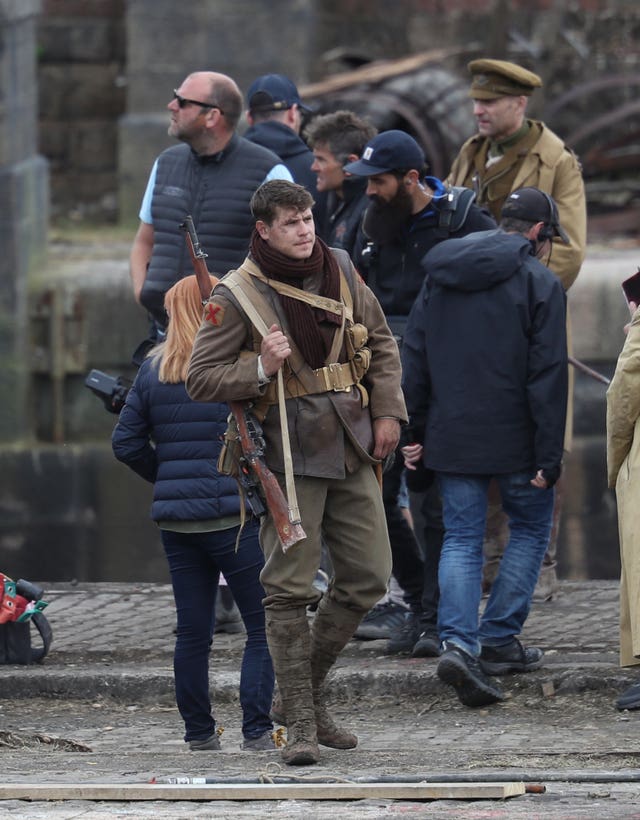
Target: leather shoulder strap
{"type": "Point", "coordinates": [240, 289]}
{"type": "Point", "coordinates": [240, 285]}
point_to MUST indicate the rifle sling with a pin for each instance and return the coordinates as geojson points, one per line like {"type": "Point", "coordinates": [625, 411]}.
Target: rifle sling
{"type": "Point", "coordinates": [263, 330]}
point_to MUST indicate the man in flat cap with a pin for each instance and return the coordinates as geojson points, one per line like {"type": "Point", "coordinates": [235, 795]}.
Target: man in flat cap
{"type": "Point", "coordinates": [509, 152]}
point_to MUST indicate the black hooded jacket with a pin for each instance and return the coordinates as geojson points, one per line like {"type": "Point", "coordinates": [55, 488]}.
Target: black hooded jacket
{"type": "Point", "coordinates": [292, 150]}
{"type": "Point", "coordinates": [485, 358]}
{"type": "Point", "coordinates": [296, 155]}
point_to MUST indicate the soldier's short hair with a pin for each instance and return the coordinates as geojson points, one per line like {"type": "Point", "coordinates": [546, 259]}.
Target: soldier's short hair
{"type": "Point", "coordinates": [279, 193]}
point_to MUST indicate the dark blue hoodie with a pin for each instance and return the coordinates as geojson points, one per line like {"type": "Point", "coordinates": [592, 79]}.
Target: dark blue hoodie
{"type": "Point", "coordinates": [485, 358]}
{"type": "Point", "coordinates": [291, 149]}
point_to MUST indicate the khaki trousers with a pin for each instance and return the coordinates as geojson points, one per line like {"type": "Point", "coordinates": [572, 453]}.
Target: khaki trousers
{"type": "Point", "coordinates": [626, 498]}
{"type": "Point", "coordinates": [348, 515]}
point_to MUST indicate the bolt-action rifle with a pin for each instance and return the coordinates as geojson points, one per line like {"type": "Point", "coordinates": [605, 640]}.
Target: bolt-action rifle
{"type": "Point", "coordinates": [289, 531]}
{"type": "Point", "coordinates": [588, 371]}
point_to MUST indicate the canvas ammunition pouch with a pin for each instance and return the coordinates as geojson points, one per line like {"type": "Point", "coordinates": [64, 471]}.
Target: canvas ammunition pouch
{"type": "Point", "coordinates": [231, 452]}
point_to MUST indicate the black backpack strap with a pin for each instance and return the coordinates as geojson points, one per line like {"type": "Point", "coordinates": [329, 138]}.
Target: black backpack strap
{"type": "Point", "coordinates": [453, 209]}
{"type": "Point", "coordinates": [44, 628]}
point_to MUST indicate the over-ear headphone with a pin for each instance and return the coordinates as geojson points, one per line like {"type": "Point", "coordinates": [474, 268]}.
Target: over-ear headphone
{"type": "Point", "coordinates": [547, 231]}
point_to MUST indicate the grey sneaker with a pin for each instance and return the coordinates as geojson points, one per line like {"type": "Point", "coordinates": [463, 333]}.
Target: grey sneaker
{"type": "Point", "coordinates": [262, 743]}
{"type": "Point", "coordinates": [380, 621]}
{"type": "Point", "coordinates": [630, 698]}
{"type": "Point", "coordinates": [207, 744]}
{"type": "Point", "coordinates": [464, 673]}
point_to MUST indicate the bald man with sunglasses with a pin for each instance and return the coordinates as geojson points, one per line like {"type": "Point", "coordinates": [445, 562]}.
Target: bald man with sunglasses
{"type": "Point", "coordinates": [211, 175]}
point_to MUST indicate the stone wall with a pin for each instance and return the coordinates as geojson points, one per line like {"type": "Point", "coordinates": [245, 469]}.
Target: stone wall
{"type": "Point", "coordinates": [82, 90]}
{"type": "Point", "coordinates": [107, 67]}
{"type": "Point", "coordinates": [25, 198]}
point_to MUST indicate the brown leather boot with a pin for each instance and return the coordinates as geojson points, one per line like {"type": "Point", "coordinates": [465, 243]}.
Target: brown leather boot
{"type": "Point", "coordinates": [333, 627]}
{"type": "Point", "coordinates": [289, 645]}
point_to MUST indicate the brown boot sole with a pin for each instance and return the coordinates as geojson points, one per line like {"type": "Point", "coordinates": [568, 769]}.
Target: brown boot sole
{"type": "Point", "coordinates": [338, 739]}
{"type": "Point", "coordinates": [331, 738]}
{"type": "Point", "coordinates": [300, 754]}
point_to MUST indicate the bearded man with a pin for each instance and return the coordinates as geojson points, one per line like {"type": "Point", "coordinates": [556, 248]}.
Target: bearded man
{"type": "Point", "coordinates": [409, 213]}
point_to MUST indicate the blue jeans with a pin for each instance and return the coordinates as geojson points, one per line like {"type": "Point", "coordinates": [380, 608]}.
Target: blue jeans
{"type": "Point", "coordinates": [464, 503]}
{"type": "Point", "coordinates": [195, 562]}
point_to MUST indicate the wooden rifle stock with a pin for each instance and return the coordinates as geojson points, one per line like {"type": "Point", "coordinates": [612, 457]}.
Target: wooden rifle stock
{"type": "Point", "coordinates": [289, 532]}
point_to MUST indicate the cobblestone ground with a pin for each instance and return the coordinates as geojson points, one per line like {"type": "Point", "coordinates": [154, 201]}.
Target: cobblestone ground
{"type": "Point", "coordinates": [108, 687]}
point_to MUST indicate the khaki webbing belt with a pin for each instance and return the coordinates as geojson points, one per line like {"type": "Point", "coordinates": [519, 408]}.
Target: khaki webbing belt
{"type": "Point", "coordinates": [336, 377]}
{"type": "Point", "coordinates": [332, 377]}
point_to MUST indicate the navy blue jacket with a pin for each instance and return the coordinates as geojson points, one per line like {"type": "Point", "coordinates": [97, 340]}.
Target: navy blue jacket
{"type": "Point", "coordinates": [296, 155]}
{"type": "Point", "coordinates": [485, 358]}
{"type": "Point", "coordinates": [174, 442]}
{"type": "Point", "coordinates": [342, 225]}
{"type": "Point", "coordinates": [292, 150]}
{"type": "Point", "coordinates": [215, 190]}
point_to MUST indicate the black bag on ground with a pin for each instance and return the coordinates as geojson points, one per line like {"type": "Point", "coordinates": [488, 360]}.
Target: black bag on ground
{"type": "Point", "coordinates": [16, 640]}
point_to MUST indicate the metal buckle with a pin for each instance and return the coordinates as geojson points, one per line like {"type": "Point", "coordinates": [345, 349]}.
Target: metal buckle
{"type": "Point", "coordinates": [336, 372]}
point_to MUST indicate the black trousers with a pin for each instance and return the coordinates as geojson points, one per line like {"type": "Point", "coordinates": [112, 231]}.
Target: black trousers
{"type": "Point", "coordinates": [432, 530]}
{"type": "Point", "coordinates": [407, 561]}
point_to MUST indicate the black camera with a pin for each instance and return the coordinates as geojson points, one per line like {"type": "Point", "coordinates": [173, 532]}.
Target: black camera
{"type": "Point", "coordinates": [111, 389]}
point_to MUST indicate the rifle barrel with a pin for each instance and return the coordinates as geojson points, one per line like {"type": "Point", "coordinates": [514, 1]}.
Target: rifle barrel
{"type": "Point", "coordinates": [588, 371]}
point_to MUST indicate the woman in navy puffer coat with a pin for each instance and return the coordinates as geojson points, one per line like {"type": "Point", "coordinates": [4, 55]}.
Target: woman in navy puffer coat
{"type": "Point", "coordinates": [174, 442]}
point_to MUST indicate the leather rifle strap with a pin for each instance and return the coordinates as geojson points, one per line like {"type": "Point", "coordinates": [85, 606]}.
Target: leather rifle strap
{"type": "Point", "coordinates": [261, 327]}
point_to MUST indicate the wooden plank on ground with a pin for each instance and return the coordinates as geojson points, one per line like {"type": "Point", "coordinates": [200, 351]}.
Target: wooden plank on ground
{"type": "Point", "coordinates": [260, 791]}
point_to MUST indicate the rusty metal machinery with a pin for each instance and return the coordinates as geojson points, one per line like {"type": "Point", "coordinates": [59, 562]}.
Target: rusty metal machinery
{"type": "Point", "coordinates": [426, 95]}
{"type": "Point", "coordinates": [417, 94]}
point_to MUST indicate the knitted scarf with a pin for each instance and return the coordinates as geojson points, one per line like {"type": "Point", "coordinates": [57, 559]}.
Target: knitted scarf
{"type": "Point", "coordinates": [304, 320]}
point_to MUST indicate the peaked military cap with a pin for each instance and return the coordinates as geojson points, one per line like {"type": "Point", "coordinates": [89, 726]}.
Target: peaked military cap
{"type": "Point", "coordinates": [499, 78]}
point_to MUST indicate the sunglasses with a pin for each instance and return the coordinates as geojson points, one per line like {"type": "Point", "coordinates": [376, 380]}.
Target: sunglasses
{"type": "Point", "coordinates": [182, 101]}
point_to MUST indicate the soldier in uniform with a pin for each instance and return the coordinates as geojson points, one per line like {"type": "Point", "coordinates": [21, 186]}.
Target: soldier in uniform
{"type": "Point", "coordinates": [326, 332]}
{"type": "Point", "coordinates": [511, 151]}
